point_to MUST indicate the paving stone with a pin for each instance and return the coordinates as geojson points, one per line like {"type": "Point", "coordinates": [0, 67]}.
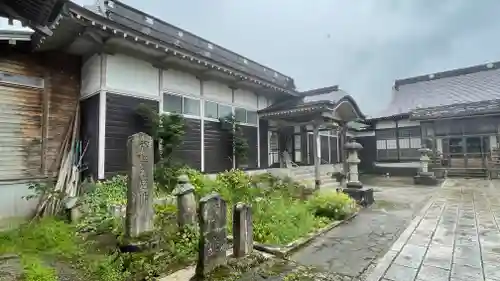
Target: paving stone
{"type": "Point", "coordinates": [400, 273]}
{"type": "Point", "coordinates": [464, 252]}
{"type": "Point", "coordinates": [431, 273]}
{"type": "Point", "coordinates": [492, 271]}
{"type": "Point", "coordinates": [411, 256]}
{"type": "Point", "coordinates": [466, 272]}
{"type": "Point", "coordinates": [439, 256]}
{"type": "Point", "coordinates": [473, 261]}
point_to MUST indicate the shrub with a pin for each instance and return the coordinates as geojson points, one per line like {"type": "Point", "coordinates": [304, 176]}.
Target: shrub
{"type": "Point", "coordinates": [332, 204]}
{"type": "Point", "coordinates": [35, 270]}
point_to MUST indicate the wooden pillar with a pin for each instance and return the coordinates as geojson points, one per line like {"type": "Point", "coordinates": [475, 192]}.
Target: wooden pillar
{"type": "Point", "coordinates": [317, 160]}
{"type": "Point", "coordinates": [342, 141]}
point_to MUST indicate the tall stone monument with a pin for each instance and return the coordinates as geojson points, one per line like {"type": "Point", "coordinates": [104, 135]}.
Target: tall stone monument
{"type": "Point", "coordinates": [140, 212]}
{"type": "Point", "coordinates": [424, 177]}
{"type": "Point", "coordinates": [355, 189]}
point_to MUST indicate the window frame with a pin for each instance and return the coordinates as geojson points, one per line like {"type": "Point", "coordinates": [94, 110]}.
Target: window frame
{"type": "Point", "coordinates": [246, 123]}
{"type": "Point", "coordinates": [202, 103]}
{"type": "Point", "coordinates": [4, 74]}
{"type": "Point", "coordinates": [182, 104]}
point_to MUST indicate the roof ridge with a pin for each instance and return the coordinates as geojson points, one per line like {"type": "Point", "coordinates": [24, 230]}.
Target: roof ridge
{"type": "Point", "coordinates": [447, 74]}
{"type": "Point", "coordinates": [319, 91]}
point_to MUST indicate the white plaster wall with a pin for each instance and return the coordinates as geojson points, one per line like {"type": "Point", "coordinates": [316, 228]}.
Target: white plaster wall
{"type": "Point", "coordinates": [408, 123]}
{"type": "Point", "coordinates": [180, 82]}
{"type": "Point", "coordinates": [262, 100]}
{"type": "Point", "coordinates": [216, 91]}
{"type": "Point", "coordinates": [129, 75]}
{"type": "Point", "coordinates": [12, 205]}
{"type": "Point", "coordinates": [385, 125]}
{"type": "Point", "coordinates": [245, 99]}
{"type": "Point", "coordinates": [91, 76]}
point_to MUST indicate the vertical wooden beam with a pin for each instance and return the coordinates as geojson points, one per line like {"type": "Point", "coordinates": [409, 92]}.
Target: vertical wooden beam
{"type": "Point", "coordinates": [317, 160]}
{"type": "Point", "coordinates": [45, 122]}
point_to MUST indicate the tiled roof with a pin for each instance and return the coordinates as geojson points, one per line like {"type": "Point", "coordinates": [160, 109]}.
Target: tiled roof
{"type": "Point", "coordinates": [460, 86]}
{"type": "Point", "coordinates": [316, 96]}
{"type": "Point", "coordinates": [317, 99]}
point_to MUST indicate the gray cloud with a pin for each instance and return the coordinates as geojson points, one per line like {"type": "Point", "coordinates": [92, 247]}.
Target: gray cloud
{"type": "Point", "coordinates": [362, 45]}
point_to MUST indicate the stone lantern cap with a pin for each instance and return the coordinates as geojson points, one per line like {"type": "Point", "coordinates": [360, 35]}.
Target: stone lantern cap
{"type": "Point", "coordinates": [183, 186]}
{"type": "Point", "coordinates": [352, 145]}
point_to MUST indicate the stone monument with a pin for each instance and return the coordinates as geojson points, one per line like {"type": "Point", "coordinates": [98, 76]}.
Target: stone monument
{"type": "Point", "coordinates": [186, 201]}
{"type": "Point", "coordinates": [139, 212]}
{"type": "Point", "coordinates": [424, 177]}
{"type": "Point", "coordinates": [355, 189]}
{"type": "Point", "coordinates": [213, 234]}
{"type": "Point", "coordinates": [242, 230]}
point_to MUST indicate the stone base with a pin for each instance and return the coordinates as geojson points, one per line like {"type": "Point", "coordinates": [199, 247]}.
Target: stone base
{"type": "Point", "coordinates": [425, 179]}
{"type": "Point", "coordinates": [363, 195]}
{"type": "Point", "coordinates": [440, 174]}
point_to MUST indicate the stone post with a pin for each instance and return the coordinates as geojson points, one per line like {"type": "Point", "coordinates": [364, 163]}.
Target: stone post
{"type": "Point", "coordinates": [213, 234]}
{"type": "Point", "coordinates": [355, 189]}
{"type": "Point", "coordinates": [140, 212]}
{"type": "Point", "coordinates": [424, 159]}
{"type": "Point", "coordinates": [186, 202]}
{"type": "Point", "coordinates": [242, 230]}
{"type": "Point", "coordinates": [352, 149]}
{"type": "Point", "coordinates": [424, 177]}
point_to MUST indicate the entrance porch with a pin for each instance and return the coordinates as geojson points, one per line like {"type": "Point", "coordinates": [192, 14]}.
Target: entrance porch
{"type": "Point", "coordinates": [310, 129]}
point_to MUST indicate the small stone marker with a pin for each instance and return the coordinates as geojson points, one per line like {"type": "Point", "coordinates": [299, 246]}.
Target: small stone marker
{"type": "Point", "coordinates": [186, 202]}
{"type": "Point", "coordinates": [242, 230]}
{"type": "Point", "coordinates": [140, 212]}
{"type": "Point", "coordinates": [213, 234]}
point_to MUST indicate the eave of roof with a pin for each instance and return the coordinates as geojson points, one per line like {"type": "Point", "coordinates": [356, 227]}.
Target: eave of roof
{"type": "Point", "coordinates": [16, 35]}
{"type": "Point", "coordinates": [33, 13]}
{"type": "Point", "coordinates": [304, 109]}
{"type": "Point", "coordinates": [457, 110]}
{"type": "Point", "coordinates": [86, 16]}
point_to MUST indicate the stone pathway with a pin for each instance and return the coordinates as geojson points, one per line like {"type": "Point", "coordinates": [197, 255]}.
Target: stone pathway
{"type": "Point", "coordinates": [352, 250]}
{"type": "Point", "coordinates": [455, 237]}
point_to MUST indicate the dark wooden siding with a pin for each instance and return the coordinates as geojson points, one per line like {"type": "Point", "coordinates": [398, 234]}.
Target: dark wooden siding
{"type": "Point", "coordinates": [89, 134]}
{"type": "Point", "coordinates": [189, 152]}
{"type": "Point", "coordinates": [264, 146]}
{"type": "Point", "coordinates": [367, 155]}
{"type": "Point", "coordinates": [217, 148]}
{"type": "Point", "coordinates": [325, 153]}
{"type": "Point", "coordinates": [250, 134]}
{"type": "Point", "coordinates": [122, 121]}
{"type": "Point", "coordinates": [333, 151]}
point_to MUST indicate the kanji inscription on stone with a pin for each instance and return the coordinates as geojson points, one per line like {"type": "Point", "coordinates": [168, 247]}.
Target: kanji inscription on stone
{"type": "Point", "coordinates": [213, 233]}
{"type": "Point", "coordinates": [140, 211]}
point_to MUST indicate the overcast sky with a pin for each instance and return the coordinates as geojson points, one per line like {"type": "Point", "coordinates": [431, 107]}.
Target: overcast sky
{"type": "Point", "coordinates": [361, 45]}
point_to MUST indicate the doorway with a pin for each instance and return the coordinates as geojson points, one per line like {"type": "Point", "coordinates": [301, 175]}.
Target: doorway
{"type": "Point", "coordinates": [467, 152]}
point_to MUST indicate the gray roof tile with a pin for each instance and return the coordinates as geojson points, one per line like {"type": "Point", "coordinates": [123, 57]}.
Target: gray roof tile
{"type": "Point", "coordinates": [466, 85]}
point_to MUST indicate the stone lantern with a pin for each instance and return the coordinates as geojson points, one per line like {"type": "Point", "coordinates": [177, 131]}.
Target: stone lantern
{"type": "Point", "coordinates": [355, 189]}
{"type": "Point", "coordinates": [424, 177]}
{"type": "Point", "coordinates": [186, 202]}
